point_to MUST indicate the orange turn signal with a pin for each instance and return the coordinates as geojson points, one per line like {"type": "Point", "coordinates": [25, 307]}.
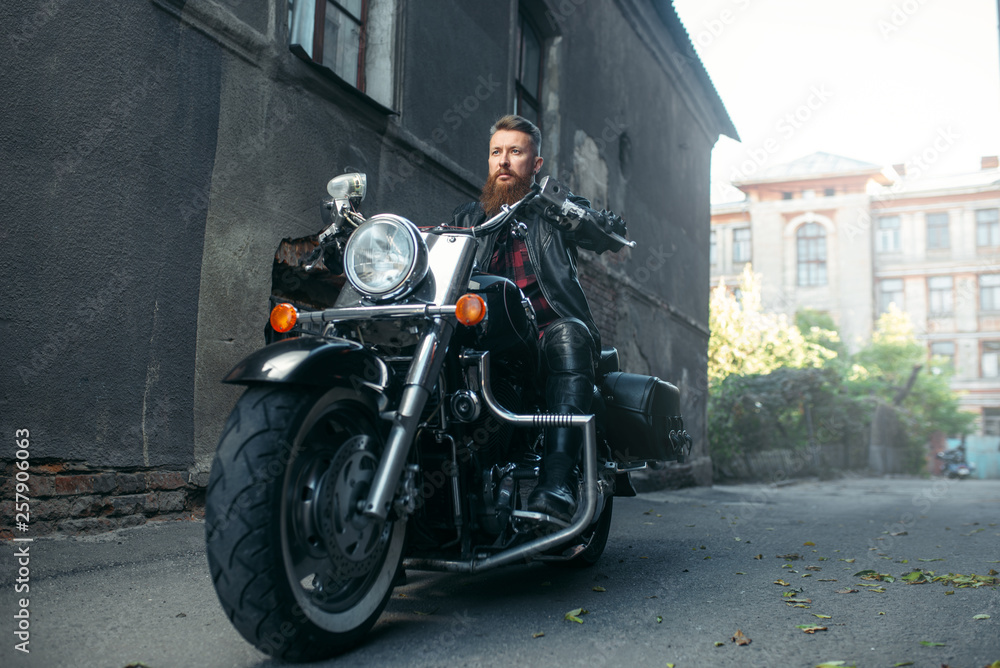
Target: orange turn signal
{"type": "Point", "coordinates": [283, 317]}
{"type": "Point", "coordinates": [470, 309]}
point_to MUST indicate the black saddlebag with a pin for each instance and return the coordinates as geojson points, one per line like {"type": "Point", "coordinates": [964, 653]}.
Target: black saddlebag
{"type": "Point", "coordinates": [643, 420]}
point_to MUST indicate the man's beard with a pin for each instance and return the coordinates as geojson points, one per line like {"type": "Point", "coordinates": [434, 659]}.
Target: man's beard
{"type": "Point", "coordinates": [497, 193]}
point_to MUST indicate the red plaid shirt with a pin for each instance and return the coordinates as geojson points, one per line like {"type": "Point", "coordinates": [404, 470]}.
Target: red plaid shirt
{"type": "Point", "coordinates": [510, 260]}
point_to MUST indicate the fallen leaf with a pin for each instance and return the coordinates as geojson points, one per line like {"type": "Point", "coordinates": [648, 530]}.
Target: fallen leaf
{"type": "Point", "coordinates": [740, 638]}
{"type": "Point", "coordinates": [980, 616]}
{"type": "Point", "coordinates": [808, 543]}
{"type": "Point", "coordinates": [827, 580]}
{"type": "Point", "coordinates": [881, 613]}
{"type": "Point", "coordinates": [914, 577]}
{"type": "Point", "coordinates": [949, 592]}
{"type": "Point", "coordinates": [719, 643]}
{"type": "Point", "coordinates": [927, 643]}
{"type": "Point", "coordinates": [574, 615]}
{"type": "Point", "coordinates": [648, 512]}
{"type": "Point", "coordinates": [798, 600]}
{"type": "Point", "coordinates": [788, 557]}
{"type": "Point", "coordinates": [538, 635]}
{"type": "Point", "coordinates": [659, 619]}
{"type": "Point", "coordinates": [598, 589]}
{"type": "Point", "coordinates": [816, 614]}
{"type": "Point", "coordinates": [810, 628]}
{"type": "Point", "coordinates": [782, 583]}
{"type": "Point", "coordinates": [740, 573]}
{"type": "Point", "coordinates": [850, 561]}
{"type": "Point", "coordinates": [934, 559]}
{"type": "Point", "coordinates": [759, 556]}
{"type": "Point", "coordinates": [833, 664]}
{"type": "Point", "coordinates": [847, 591]}
{"type": "Point", "coordinates": [670, 665]}
{"type": "Point", "coordinates": [813, 568]}
{"type": "Point", "coordinates": [902, 663]}
{"type": "Point", "coordinates": [899, 533]}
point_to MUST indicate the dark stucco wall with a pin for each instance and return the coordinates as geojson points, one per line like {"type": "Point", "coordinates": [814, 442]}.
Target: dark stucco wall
{"type": "Point", "coordinates": [100, 271]}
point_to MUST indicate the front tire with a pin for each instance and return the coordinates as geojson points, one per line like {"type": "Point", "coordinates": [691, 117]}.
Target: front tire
{"type": "Point", "coordinates": [299, 572]}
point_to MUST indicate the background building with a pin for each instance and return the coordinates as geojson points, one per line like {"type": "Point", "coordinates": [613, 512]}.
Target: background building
{"type": "Point", "coordinates": [155, 156]}
{"type": "Point", "coordinates": [849, 238]}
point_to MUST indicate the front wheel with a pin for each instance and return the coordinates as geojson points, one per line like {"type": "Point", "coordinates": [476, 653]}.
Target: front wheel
{"type": "Point", "coordinates": [301, 574]}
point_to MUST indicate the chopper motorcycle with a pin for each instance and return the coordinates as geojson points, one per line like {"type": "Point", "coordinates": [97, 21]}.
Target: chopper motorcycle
{"type": "Point", "coordinates": [402, 426]}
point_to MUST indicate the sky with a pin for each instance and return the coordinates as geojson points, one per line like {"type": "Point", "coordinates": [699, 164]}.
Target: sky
{"type": "Point", "coordinates": [882, 81]}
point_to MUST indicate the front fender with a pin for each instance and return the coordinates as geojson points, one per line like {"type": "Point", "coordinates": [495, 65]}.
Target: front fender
{"type": "Point", "coordinates": [315, 362]}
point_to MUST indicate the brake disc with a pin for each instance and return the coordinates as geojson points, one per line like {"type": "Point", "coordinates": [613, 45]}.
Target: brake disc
{"type": "Point", "coordinates": [354, 542]}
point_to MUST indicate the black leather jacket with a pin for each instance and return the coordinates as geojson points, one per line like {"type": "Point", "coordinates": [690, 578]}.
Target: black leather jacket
{"type": "Point", "coordinates": [553, 255]}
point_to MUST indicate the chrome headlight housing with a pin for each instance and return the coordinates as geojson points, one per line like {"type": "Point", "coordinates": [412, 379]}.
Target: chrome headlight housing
{"type": "Point", "coordinates": [385, 257]}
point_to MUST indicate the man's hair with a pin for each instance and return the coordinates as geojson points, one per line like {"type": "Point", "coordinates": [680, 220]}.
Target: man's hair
{"type": "Point", "coordinates": [520, 124]}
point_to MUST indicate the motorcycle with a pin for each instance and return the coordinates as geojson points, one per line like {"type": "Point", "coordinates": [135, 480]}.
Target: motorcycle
{"type": "Point", "coordinates": [955, 465]}
{"type": "Point", "coordinates": [401, 429]}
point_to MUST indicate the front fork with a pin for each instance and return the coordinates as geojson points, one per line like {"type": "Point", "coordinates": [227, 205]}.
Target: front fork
{"type": "Point", "coordinates": [420, 378]}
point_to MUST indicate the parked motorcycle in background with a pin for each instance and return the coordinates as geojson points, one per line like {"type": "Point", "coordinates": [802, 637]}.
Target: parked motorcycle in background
{"type": "Point", "coordinates": [955, 464]}
{"type": "Point", "coordinates": [405, 423]}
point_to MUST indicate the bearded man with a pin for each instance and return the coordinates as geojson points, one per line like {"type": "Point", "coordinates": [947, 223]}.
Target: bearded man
{"type": "Point", "coordinates": [542, 262]}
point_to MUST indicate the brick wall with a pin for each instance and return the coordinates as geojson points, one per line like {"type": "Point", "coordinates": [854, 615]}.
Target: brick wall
{"type": "Point", "coordinates": [73, 498]}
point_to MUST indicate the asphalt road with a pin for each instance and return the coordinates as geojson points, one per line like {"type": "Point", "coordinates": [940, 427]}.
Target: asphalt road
{"type": "Point", "coordinates": [684, 570]}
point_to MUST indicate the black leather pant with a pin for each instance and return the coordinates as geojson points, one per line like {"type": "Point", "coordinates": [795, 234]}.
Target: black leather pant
{"type": "Point", "coordinates": [568, 358]}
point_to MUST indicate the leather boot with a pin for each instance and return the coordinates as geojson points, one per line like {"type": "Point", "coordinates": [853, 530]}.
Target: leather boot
{"type": "Point", "coordinates": [568, 359]}
{"type": "Point", "coordinates": [555, 493]}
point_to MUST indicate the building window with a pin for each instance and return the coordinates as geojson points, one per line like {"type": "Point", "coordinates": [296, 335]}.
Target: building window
{"type": "Point", "coordinates": [741, 244]}
{"type": "Point", "coordinates": [354, 39]}
{"type": "Point", "coordinates": [811, 243]}
{"type": "Point", "coordinates": [890, 291]}
{"type": "Point", "coordinates": [331, 34]}
{"type": "Point", "coordinates": [991, 355]}
{"type": "Point", "coordinates": [989, 292]}
{"type": "Point", "coordinates": [887, 234]}
{"type": "Point", "coordinates": [991, 422]}
{"type": "Point", "coordinates": [786, 195]}
{"type": "Point", "coordinates": [987, 227]}
{"type": "Point", "coordinates": [712, 257]}
{"type": "Point", "coordinates": [529, 72]}
{"type": "Point", "coordinates": [939, 290]}
{"type": "Point", "coordinates": [829, 192]}
{"type": "Point", "coordinates": [937, 231]}
{"type": "Point", "coordinates": [946, 351]}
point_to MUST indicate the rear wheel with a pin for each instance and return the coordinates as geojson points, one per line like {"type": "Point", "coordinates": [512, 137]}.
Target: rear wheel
{"type": "Point", "coordinates": [300, 572]}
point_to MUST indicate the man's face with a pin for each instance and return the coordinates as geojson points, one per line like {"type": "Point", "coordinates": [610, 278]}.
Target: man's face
{"type": "Point", "coordinates": [511, 152]}
{"type": "Point", "coordinates": [513, 165]}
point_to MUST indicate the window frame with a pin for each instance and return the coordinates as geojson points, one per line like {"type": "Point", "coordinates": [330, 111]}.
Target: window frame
{"type": "Point", "coordinates": [992, 227]}
{"type": "Point", "coordinates": [810, 255]}
{"type": "Point", "coordinates": [994, 352]}
{"type": "Point", "coordinates": [745, 245]}
{"type": "Point", "coordinates": [933, 223]}
{"type": "Point", "coordinates": [949, 355]}
{"type": "Point", "coordinates": [521, 92]}
{"type": "Point", "coordinates": [994, 292]}
{"type": "Point", "coordinates": [941, 299]}
{"type": "Point", "coordinates": [881, 230]}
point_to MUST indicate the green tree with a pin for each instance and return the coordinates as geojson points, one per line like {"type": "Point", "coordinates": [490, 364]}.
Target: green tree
{"type": "Point", "coordinates": [747, 340]}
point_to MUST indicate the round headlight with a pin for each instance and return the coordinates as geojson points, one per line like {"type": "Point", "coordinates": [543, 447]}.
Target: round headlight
{"type": "Point", "coordinates": [385, 257]}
